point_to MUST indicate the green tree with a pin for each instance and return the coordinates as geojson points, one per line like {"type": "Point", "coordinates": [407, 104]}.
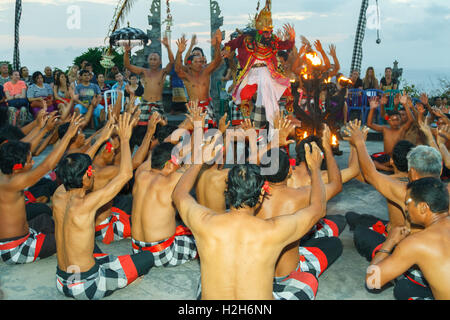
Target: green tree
{"type": "Point", "coordinates": [94, 56]}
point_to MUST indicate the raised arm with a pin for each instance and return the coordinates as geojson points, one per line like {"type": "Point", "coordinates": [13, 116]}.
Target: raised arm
{"type": "Point", "coordinates": [289, 228]}
{"type": "Point", "coordinates": [179, 68]}
{"type": "Point", "coordinates": [169, 66]}
{"type": "Point", "coordinates": [217, 60]}
{"type": "Point", "coordinates": [27, 179]}
{"type": "Point", "coordinates": [142, 152]}
{"type": "Point", "coordinates": [374, 104]}
{"type": "Point", "coordinates": [102, 196]}
{"type": "Point", "coordinates": [390, 188]}
{"type": "Point", "coordinates": [193, 43]}
{"type": "Point", "coordinates": [337, 65]}
{"type": "Point", "coordinates": [128, 65]}
{"type": "Point", "coordinates": [334, 185]}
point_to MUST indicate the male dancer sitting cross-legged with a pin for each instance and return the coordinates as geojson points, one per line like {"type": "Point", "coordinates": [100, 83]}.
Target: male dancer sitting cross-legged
{"type": "Point", "coordinates": [316, 253]}
{"type": "Point", "coordinates": [423, 162]}
{"type": "Point", "coordinates": [22, 241]}
{"type": "Point", "coordinates": [238, 251]}
{"type": "Point", "coordinates": [426, 202]}
{"type": "Point", "coordinates": [113, 221]}
{"type": "Point", "coordinates": [79, 274]}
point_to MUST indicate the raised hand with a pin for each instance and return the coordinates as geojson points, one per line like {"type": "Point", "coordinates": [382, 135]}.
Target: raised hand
{"type": "Point", "coordinates": [313, 157]}
{"type": "Point", "coordinates": [165, 42]}
{"type": "Point", "coordinates": [194, 40]}
{"type": "Point", "coordinates": [384, 100]}
{"type": "Point", "coordinates": [289, 30]}
{"type": "Point", "coordinates": [127, 47]}
{"type": "Point", "coordinates": [404, 99]}
{"type": "Point", "coordinates": [223, 124]}
{"type": "Point", "coordinates": [196, 114]}
{"type": "Point", "coordinates": [374, 103]}
{"type": "Point", "coordinates": [444, 131]}
{"type": "Point", "coordinates": [397, 99]}
{"type": "Point", "coordinates": [41, 118]}
{"type": "Point", "coordinates": [125, 127]}
{"type": "Point", "coordinates": [318, 45]}
{"type": "Point", "coordinates": [182, 44]}
{"type": "Point", "coordinates": [247, 124]}
{"type": "Point", "coordinates": [285, 128]}
{"type": "Point", "coordinates": [332, 52]}
{"type": "Point", "coordinates": [152, 123]}
{"type": "Point", "coordinates": [210, 150]}
{"type": "Point", "coordinates": [52, 121]}
{"type": "Point", "coordinates": [75, 123]}
{"type": "Point", "coordinates": [354, 132]}
{"type": "Point", "coordinates": [326, 137]}
{"type": "Point", "coordinates": [424, 99]}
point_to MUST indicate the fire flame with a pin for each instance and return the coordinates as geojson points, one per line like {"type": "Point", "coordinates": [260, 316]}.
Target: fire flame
{"type": "Point", "coordinates": [334, 140]}
{"type": "Point", "coordinates": [305, 135]}
{"type": "Point", "coordinates": [344, 79]}
{"type": "Point", "coordinates": [315, 60]}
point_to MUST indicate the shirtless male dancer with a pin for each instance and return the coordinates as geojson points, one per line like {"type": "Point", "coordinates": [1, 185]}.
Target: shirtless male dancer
{"type": "Point", "coordinates": [318, 249]}
{"type": "Point", "coordinates": [153, 223]}
{"type": "Point", "coordinates": [427, 204]}
{"type": "Point", "coordinates": [197, 78]}
{"type": "Point", "coordinates": [79, 275]}
{"type": "Point", "coordinates": [112, 222]}
{"type": "Point", "coordinates": [153, 81]}
{"type": "Point", "coordinates": [423, 162]}
{"type": "Point", "coordinates": [392, 134]}
{"type": "Point", "coordinates": [238, 251]}
{"type": "Point", "coordinates": [22, 241]}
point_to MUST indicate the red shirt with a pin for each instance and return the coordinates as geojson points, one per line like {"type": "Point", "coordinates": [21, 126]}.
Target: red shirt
{"type": "Point", "coordinates": [13, 89]}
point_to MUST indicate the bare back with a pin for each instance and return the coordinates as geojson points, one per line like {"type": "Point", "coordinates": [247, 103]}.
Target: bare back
{"type": "Point", "coordinates": [13, 220]}
{"type": "Point", "coordinates": [74, 232]}
{"type": "Point", "coordinates": [282, 201]}
{"type": "Point", "coordinates": [210, 188]}
{"type": "Point", "coordinates": [245, 266]}
{"type": "Point", "coordinates": [391, 137]}
{"type": "Point", "coordinates": [153, 217]}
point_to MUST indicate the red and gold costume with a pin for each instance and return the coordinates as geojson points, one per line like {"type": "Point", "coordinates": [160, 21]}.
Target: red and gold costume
{"type": "Point", "coordinates": [260, 67]}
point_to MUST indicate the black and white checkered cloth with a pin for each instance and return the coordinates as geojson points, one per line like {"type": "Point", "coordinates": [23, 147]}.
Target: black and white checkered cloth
{"type": "Point", "coordinates": [23, 250]}
{"type": "Point", "coordinates": [114, 228]}
{"type": "Point", "coordinates": [359, 38]}
{"type": "Point", "coordinates": [109, 274]}
{"type": "Point", "coordinates": [258, 116]}
{"type": "Point", "coordinates": [297, 286]}
{"type": "Point", "coordinates": [181, 250]}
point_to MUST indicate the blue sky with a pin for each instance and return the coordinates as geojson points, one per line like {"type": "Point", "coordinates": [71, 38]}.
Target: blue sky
{"type": "Point", "coordinates": [414, 32]}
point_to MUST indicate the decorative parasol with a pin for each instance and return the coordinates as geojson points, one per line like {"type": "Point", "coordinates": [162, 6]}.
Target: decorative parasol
{"type": "Point", "coordinates": [128, 36]}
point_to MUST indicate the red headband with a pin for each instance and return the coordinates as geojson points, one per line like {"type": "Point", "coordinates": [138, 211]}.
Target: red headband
{"type": "Point", "coordinates": [266, 187]}
{"type": "Point", "coordinates": [89, 171]}
{"type": "Point", "coordinates": [174, 160]}
{"type": "Point", "coordinates": [17, 166]}
{"type": "Point", "coordinates": [108, 147]}
{"type": "Point", "coordinates": [292, 162]}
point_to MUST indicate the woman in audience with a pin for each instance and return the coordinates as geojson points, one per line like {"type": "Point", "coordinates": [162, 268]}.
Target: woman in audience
{"type": "Point", "coordinates": [40, 92]}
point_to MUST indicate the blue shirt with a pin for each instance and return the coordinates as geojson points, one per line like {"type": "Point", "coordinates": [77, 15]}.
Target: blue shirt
{"type": "Point", "coordinates": [88, 92]}
{"type": "Point", "coordinates": [36, 92]}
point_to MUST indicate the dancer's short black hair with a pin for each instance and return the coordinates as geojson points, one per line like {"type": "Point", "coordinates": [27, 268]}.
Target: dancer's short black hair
{"type": "Point", "coordinates": [432, 191]}
{"type": "Point", "coordinates": [72, 168]}
{"type": "Point", "coordinates": [62, 129]}
{"type": "Point", "coordinates": [279, 159]}
{"type": "Point", "coordinates": [391, 113]}
{"type": "Point", "coordinates": [161, 154]}
{"type": "Point", "coordinates": [300, 149]}
{"type": "Point", "coordinates": [10, 132]}
{"type": "Point", "coordinates": [399, 154]}
{"type": "Point", "coordinates": [11, 153]}
{"type": "Point", "coordinates": [163, 132]}
{"type": "Point", "coordinates": [244, 186]}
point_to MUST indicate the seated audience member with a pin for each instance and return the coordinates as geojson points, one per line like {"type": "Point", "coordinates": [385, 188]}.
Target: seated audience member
{"type": "Point", "coordinates": [357, 82]}
{"type": "Point", "coordinates": [103, 88]}
{"type": "Point", "coordinates": [83, 272]}
{"type": "Point", "coordinates": [25, 76]}
{"type": "Point", "coordinates": [62, 92]}
{"type": "Point", "coordinates": [40, 92]}
{"type": "Point", "coordinates": [3, 107]}
{"type": "Point", "coordinates": [387, 82]}
{"type": "Point", "coordinates": [86, 92]}
{"type": "Point", "coordinates": [120, 82]}
{"type": "Point", "coordinates": [16, 95]}
{"type": "Point", "coordinates": [134, 88]}
{"type": "Point", "coordinates": [4, 73]}
{"type": "Point", "coordinates": [88, 66]}
{"type": "Point", "coordinates": [370, 81]}
{"type": "Point", "coordinates": [48, 76]}
{"type": "Point", "coordinates": [427, 204]}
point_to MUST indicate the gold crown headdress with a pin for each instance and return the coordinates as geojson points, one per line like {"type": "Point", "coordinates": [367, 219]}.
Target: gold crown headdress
{"type": "Point", "coordinates": [263, 20]}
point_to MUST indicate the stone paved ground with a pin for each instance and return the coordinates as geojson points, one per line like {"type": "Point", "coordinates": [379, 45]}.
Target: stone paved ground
{"type": "Point", "coordinates": [344, 280]}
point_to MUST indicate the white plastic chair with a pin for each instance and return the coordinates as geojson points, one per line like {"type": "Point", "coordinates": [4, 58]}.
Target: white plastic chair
{"type": "Point", "coordinates": [113, 98]}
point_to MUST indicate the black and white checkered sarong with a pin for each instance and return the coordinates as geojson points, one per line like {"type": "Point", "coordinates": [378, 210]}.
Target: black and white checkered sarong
{"type": "Point", "coordinates": [171, 252]}
{"type": "Point", "coordinates": [109, 274]}
{"type": "Point", "coordinates": [24, 250]}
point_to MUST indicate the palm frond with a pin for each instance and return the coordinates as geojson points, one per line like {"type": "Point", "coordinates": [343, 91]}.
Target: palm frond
{"type": "Point", "coordinates": [120, 13]}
